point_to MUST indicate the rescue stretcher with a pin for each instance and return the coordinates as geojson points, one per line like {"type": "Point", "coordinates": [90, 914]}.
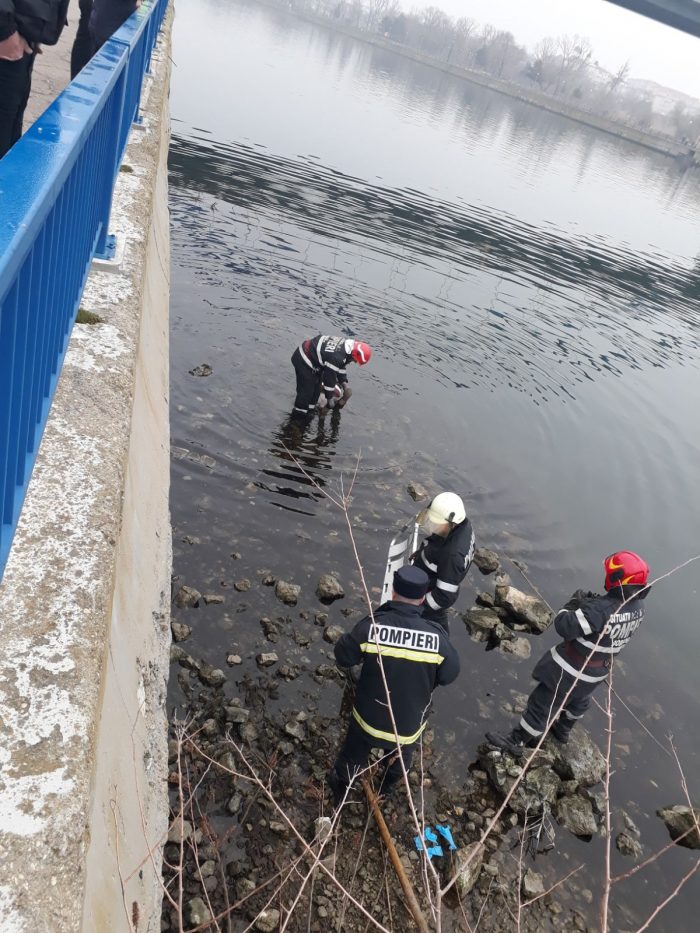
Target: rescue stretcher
{"type": "Point", "coordinates": [402, 546]}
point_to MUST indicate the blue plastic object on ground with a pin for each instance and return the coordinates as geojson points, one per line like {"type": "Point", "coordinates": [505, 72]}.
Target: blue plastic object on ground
{"type": "Point", "coordinates": [446, 833]}
{"type": "Point", "coordinates": [429, 836]}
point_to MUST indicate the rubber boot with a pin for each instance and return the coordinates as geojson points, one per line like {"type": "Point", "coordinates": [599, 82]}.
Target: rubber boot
{"type": "Point", "coordinates": [514, 743]}
{"type": "Point", "coordinates": [337, 788]}
{"type": "Point", "coordinates": [560, 733]}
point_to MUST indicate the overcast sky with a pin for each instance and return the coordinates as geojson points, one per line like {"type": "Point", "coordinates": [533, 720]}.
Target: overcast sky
{"type": "Point", "coordinates": [654, 51]}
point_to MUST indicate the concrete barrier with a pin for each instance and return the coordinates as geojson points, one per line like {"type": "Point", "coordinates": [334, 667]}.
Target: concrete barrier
{"type": "Point", "coordinates": [84, 604]}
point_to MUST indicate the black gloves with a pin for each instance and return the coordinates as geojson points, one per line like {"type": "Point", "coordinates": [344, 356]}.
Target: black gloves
{"type": "Point", "coordinates": [579, 598]}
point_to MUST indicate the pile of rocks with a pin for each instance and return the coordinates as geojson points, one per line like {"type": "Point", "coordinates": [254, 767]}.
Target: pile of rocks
{"type": "Point", "coordinates": [559, 780]}
{"type": "Point", "coordinates": [502, 619]}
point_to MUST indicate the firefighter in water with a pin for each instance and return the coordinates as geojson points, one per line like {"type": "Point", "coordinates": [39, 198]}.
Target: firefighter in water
{"type": "Point", "coordinates": [416, 656]}
{"type": "Point", "coordinates": [594, 630]}
{"type": "Point", "coordinates": [445, 555]}
{"type": "Point", "coordinates": [320, 365]}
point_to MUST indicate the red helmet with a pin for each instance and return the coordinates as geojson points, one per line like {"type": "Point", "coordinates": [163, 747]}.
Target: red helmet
{"type": "Point", "coordinates": [361, 352]}
{"type": "Point", "coordinates": [625, 567]}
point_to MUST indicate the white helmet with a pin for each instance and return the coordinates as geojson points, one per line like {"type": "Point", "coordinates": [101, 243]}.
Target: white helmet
{"type": "Point", "coordinates": [446, 507]}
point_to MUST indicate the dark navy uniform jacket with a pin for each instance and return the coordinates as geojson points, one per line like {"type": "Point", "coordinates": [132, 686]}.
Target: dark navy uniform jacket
{"type": "Point", "coordinates": [329, 357]}
{"type": "Point", "coordinates": [446, 561]}
{"type": "Point", "coordinates": [37, 20]}
{"type": "Point", "coordinates": [416, 655]}
{"type": "Point", "coordinates": [584, 648]}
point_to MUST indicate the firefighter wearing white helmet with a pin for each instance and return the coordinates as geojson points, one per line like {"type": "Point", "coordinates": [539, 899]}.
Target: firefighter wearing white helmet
{"type": "Point", "coordinates": [446, 554]}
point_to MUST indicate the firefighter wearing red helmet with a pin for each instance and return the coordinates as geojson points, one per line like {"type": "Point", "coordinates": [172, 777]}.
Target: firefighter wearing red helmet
{"type": "Point", "coordinates": [594, 630]}
{"type": "Point", "coordinates": [320, 365]}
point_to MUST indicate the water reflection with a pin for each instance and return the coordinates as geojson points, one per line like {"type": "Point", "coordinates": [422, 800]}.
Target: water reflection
{"type": "Point", "coordinates": [533, 293]}
{"type": "Point", "coordinates": [305, 451]}
{"type": "Point", "coordinates": [480, 295]}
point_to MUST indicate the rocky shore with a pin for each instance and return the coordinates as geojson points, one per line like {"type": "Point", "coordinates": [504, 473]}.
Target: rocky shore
{"type": "Point", "coordinates": [251, 811]}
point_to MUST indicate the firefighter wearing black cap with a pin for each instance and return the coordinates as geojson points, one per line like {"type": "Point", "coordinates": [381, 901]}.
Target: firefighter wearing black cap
{"type": "Point", "coordinates": [416, 656]}
{"type": "Point", "coordinates": [446, 554]}
{"type": "Point", "coordinates": [321, 364]}
{"type": "Point", "coordinates": [594, 630]}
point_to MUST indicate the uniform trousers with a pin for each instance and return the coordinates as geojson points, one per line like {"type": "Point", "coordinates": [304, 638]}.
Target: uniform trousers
{"type": "Point", "coordinates": [546, 698]}
{"type": "Point", "coordinates": [354, 755]}
{"type": "Point", "coordinates": [308, 385]}
{"type": "Point", "coordinates": [15, 85]}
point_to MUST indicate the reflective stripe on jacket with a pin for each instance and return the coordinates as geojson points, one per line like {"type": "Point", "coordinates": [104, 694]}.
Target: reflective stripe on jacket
{"type": "Point", "coordinates": [416, 656]}
{"type": "Point", "coordinates": [446, 561]}
{"type": "Point", "coordinates": [329, 357]}
{"type": "Point", "coordinates": [594, 632]}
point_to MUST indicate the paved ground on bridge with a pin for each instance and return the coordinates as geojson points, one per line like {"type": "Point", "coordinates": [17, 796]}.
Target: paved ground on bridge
{"type": "Point", "coordinates": [51, 70]}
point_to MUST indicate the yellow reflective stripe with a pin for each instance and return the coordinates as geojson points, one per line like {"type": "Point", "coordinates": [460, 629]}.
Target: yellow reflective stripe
{"type": "Point", "coordinates": [424, 657]}
{"type": "Point", "coordinates": [387, 736]}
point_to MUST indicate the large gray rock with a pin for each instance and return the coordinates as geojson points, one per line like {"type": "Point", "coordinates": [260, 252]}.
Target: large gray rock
{"type": "Point", "coordinates": [518, 647]}
{"type": "Point", "coordinates": [679, 820]}
{"type": "Point", "coordinates": [296, 730]}
{"type": "Point", "coordinates": [328, 588]}
{"type": "Point", "coordinates": [287, 592]}
{"type": "Point", "coordinates": [212, 676]}
{"type": "Point", "coordinates": [237, 715]}
{"type": "Point", "coordinates": [333, 633]}
{"type": "Point", "coordinates": [480, 620]}
{"type": "Point", "coordinates": [266, 659]}
{"type": "Point", "coordinates": [532, 884]}
{"type": "Point", "coordinates": [524, 608]}
{"type": "Point", "coordinates": [468, 862]}
{"type": "Point", "coordinates": [267, 921]}
{"type": "Point", "coordinates": [197, 912]}
{"type": "Point", "coordinates": [628, 845]}
{"type": "Point", "coordinates": [540, 786]}
{"type": "Point", "coordinates": [417, 491]}
{"type": "Point", "coordinates": [323, 827]}
{"type": "Point", "coordinates": [486, 560]}
{"type": "Point", "coordinates": [180, 631]}
{"type": "Point", "coordinates": [187, 597]}
{"type": "Point", "coordinates": [180, 831]}
{"type": "Point", "coordinates": [576, 814]}
{"type": "Point", "coordinates": [579, 760]}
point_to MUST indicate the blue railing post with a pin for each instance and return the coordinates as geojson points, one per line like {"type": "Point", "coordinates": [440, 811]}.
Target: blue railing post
{"type": "Point", "coordinates": [105, 246]}
{"type": "Point", "coordinates": [56, 189]}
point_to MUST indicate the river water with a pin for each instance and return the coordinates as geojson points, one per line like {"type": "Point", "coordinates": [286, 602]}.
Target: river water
{"type": "Point", "coordinates": [531, 289]}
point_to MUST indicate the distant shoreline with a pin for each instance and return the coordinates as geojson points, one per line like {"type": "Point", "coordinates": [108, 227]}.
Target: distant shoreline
{"type": "Point", "coordinates": [662, 144]}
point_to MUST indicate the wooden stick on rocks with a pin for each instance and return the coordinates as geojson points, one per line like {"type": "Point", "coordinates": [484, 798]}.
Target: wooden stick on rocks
{"type": "Point", "coordinates": [395, 860]}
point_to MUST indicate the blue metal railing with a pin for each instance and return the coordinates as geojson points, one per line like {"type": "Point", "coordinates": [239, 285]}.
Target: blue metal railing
{"type": "Point", "coordinates": [56, 187]}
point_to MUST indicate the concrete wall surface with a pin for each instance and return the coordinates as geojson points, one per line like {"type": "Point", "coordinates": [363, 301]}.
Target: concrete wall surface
{"type": "Point", "coordinates": [84, 604]}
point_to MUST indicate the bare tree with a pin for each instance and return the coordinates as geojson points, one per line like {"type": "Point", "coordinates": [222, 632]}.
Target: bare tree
{"type": "Point", "coordinates": [575, 54]}
{"type": "Point", "coordinates": [376, 10]}
{"type": "Point", "coordinates": [619, 77]}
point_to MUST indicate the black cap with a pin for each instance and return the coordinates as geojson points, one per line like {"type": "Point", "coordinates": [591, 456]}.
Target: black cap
{"type": "Point", "coordinates": [411, 582]}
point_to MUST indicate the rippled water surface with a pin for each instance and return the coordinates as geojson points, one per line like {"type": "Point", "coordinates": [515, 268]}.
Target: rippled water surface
{"type": "Point", "coordinates": [532, 292]}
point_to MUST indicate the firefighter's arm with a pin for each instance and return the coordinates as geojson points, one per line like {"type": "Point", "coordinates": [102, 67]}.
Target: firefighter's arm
{"type": "Point", "coordinates": [347, 649]}
{"type": "Point", "coordinates": [449, 669]}
{"type": "Point", "coordinates": [329, 381]}
{"type": "Point", "coordinates": [577, 623]}
{"type": "Point", "coordinates": [450, 574]}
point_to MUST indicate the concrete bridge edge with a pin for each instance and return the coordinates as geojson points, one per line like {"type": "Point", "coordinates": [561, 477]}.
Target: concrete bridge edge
{"type": "Point", "coordinates": [84, 605]}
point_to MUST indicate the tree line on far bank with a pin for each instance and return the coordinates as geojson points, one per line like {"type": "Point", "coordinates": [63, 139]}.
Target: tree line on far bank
{"type": "Point", "coordinates": [563, 67]}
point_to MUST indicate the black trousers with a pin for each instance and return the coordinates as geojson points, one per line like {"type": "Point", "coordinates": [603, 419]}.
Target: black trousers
{"type": "Point", "coordinates": [83, 44]}
{"type": "Point", "coordinates": [15, 85]}
{"type": "Point", "coordinates": [439, 616]}
{"type": "Point", "coordinates": [355, 752]}
{"type": "Point", "coordinates": [546, 698]}
{"type": "Point", "coordinates": [308, 386]}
